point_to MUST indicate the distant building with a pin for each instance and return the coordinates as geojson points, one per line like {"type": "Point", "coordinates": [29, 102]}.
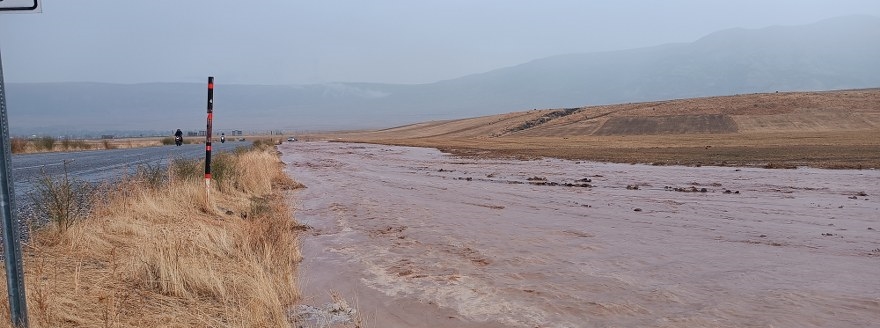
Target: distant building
{"type": "Point", "coordinates": [203, 133]}
{"type": "Point", "coordinates": [191, 134]}
{"type": "Point", "coordinates": [236, 133]}
{"type": "Point", "coordinates": [107, 136]}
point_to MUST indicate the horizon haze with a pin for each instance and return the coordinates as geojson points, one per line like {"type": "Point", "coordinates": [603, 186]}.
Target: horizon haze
{"type": "Point", "coordinates": [385, 41]}
{"type": "Point", "coordinates": [117, 71]}
{"type": "Point", "coordinates": [828, 55]}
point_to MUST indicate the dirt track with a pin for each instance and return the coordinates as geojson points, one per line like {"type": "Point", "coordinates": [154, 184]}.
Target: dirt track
{"type": "Point", "coordinates": [421, 239]}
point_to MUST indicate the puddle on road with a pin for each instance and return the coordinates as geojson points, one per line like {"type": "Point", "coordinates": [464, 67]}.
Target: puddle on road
{"type": "Point", "coordinates": [415, 238]}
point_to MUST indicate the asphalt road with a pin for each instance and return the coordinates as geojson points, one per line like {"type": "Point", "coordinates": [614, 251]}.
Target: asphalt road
{"type": "Point", "coordinates": [99, 165]}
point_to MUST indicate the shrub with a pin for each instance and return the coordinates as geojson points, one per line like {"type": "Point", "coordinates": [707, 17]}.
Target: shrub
{"type": "Point", "coordinates": [167, 141]}
{"type": "Point", "coordinates": [265, 143]}
{"type": "Point", "coordinates": [186, 169]}
{"type": "Point", "coordinates": [45, 143]}
{"type": "Point", "coordinates": [152, 176]}
{"type": "Point", "coordinates": [19, 145]}
{"type": "Point", "coordinates": [108, 145]}
{"type": "Point", "coordinates": [62, 199]}
{"type": "Point", "coordinates": [223, 170]}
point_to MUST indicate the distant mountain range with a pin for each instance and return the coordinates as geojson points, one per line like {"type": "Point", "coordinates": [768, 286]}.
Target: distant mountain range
{"type": "Point", "coordinates": [839, 53]}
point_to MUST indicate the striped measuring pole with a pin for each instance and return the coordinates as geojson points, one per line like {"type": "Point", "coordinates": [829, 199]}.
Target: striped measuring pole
{"type": "Point", "coordinates": [208, 135]}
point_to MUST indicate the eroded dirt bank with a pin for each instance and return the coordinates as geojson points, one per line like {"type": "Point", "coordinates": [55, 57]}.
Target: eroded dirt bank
{"type": "Point", "coordinates": [420, 239]}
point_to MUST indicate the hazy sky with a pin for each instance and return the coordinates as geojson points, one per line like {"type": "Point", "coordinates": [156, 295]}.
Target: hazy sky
{"type": "Point", "coordinates": [393, 41]}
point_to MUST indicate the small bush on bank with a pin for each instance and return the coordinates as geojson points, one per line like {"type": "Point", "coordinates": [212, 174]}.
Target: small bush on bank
{"type": "Point", "coordinates": [63, 199]}
{"type": "Point", "coordinates": [152, 176]}
{"type": "Point", "coordinates": [18, 145]}
{"type": "Point", "coordinates": [266, 143]}
{"type": "Point", "coordinates": [107, 144]}
{"type": "Point", "coordinates": [187, 169]}
{"type": "Point", "coordinates": [223, 170]}
{"type": "Point", "coordinates": [45, 143]}
{"type": "Point", "coordinates": [167, 141]}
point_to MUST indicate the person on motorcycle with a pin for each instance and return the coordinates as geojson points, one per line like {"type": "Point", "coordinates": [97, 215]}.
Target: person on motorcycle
{"type": "Point", "coordinates": [222, 137]}
{"type": "Point", "coordinates": [178, 137]}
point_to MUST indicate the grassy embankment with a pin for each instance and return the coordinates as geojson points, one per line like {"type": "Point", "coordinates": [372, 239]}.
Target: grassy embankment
{"type": "Point", "coordinates": [156, 251]}
{"type": "Point", "coordinates": [50, 144]}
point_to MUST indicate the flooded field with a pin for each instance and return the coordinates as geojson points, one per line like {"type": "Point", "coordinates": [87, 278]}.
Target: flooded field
{"type": "Point", "coordinates": [416, 238]}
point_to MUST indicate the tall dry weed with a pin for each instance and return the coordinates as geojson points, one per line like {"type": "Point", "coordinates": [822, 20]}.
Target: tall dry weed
{"type": "Point", "coordinates": [256, 171]}
{"type": "Point", "coordinates": [224, 170]}
{"type": "Point", "coordinates": [61, 199]}
{"type": "Point", "coordinates": [186, 169]}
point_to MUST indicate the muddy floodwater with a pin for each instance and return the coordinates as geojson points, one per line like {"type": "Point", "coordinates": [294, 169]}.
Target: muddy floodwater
{"type": "Point", "coordinates": [413, 237]}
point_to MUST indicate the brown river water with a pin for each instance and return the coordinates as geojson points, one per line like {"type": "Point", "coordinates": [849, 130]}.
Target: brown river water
{"type": "Point", "coordinates": [413, 237]}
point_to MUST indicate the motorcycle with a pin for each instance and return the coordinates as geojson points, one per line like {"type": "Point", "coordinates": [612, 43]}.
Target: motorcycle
{"type": "Point", "coordinates": [222, 139]}
{"type": "Point", "coordinates": [178, 140]}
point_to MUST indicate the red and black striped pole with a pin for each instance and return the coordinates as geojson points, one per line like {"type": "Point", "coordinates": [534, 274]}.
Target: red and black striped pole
{"type": "Point", "coordinates": [208, 134]}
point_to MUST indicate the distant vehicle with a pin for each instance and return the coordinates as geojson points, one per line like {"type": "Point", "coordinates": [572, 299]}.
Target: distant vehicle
{"type": "Point", "coordinates": [291, 139]}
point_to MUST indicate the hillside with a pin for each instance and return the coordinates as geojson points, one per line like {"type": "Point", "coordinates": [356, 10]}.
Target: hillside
{"type": "Point", "coordinates": [824, 129]}
{"type": "Point", "coordinates": [765, 112]}
{"type": "Point", "coordinates": [828, 55]}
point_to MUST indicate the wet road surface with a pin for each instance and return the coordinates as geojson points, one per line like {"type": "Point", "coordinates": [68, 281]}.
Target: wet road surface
{"type": "Point", "coordinates": [417, 238]}
{"type": "Point", "coordinates": [98, 165]}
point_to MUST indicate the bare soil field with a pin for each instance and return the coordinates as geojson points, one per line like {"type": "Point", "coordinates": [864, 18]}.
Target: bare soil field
{"type": "Point", "coordinates": [832, 129]}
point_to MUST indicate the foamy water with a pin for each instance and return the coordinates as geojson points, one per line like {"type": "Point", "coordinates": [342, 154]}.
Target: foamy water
{"type": "Point", "coordinates": [417, 238]}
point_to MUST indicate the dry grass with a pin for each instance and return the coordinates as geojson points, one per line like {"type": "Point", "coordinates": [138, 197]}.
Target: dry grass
{"type": "Point", "coordinates": [167, 256]}
{"type": "Point", "coordinates": [27, 146]}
